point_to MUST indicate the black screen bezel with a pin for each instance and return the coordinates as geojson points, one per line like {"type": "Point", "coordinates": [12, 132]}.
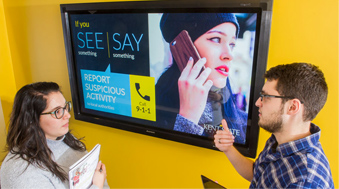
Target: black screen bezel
{"type": "Point", "coordinates": [259, 68]}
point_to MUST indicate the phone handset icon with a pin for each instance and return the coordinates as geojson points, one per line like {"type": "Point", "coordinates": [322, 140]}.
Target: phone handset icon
{"type": "Point", "coordinates": [146, 97]}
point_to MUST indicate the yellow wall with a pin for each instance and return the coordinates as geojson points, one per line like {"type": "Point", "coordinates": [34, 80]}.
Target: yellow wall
{"type": "Point", "coordinates": [7, 81]}
{"type": "Point", "coordinates": [32, 49]}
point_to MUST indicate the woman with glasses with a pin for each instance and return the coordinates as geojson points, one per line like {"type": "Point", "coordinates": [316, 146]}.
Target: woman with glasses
{"type": "Point", "coordinates": [39, 144]}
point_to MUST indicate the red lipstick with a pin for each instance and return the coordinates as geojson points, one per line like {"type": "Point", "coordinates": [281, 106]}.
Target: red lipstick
{"type": "Point", "coordinates": [222, 70]}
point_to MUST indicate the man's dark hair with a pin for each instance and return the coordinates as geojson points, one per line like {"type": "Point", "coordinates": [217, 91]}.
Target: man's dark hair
{"type": "Point", "coordinates": [303, 81]}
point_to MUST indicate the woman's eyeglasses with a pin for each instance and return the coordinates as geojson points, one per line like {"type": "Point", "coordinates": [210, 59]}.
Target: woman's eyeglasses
{"type": "Point", "coordinates": [273, 96]}
{"type": "Point", "coordinates": [59, 113]}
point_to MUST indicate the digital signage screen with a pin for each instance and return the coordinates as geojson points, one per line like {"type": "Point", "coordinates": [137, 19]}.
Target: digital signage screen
{"type": "Point", "coordinates": [128, 68]}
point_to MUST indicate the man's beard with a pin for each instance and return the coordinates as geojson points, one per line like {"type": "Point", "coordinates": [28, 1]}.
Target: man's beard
{"type": "Point", "coordinates": [274, 124]}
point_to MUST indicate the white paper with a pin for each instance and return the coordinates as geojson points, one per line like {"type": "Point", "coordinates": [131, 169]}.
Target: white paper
{"type": "Point", "coordinates": [81, 172]}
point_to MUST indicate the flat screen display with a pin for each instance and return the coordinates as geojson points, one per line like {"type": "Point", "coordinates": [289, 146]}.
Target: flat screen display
{"type": "Point", "coordinates": [127, 65]}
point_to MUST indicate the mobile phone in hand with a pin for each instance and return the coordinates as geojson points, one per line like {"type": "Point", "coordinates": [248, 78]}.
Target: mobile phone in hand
{"type": "Point", "coordinates": [182, 49]}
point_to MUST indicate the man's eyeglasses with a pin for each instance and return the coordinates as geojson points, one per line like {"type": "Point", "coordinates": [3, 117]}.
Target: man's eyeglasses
{"type": "Point", "coordinates": [273, 96]}
{"type": "Point", "coordinates": [59, 113]}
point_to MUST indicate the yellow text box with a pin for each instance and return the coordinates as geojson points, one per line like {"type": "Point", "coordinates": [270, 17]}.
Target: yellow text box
{"type": "Point", "coordinates": [143, 97]}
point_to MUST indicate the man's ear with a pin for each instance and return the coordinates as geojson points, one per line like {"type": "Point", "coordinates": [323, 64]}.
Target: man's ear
{"type": "Point", "coordinates": [294, 106]}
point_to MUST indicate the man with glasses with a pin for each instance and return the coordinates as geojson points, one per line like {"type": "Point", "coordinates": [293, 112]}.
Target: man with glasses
{"type": "Point", "coordinates": [293, 157]}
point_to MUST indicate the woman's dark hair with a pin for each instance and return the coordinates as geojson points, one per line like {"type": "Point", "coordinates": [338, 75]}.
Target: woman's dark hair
{"type": "Point", "coordinates": [25, 136]}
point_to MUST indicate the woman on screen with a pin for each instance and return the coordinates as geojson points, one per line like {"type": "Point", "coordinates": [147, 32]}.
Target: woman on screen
{"type": "Point", "coordinates": [40, 146]}
{"type": "Point", "coordinates": [187, 101]}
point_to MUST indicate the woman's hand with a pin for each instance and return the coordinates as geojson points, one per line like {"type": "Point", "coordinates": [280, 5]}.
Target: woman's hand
{"type": "Point", "coordinates": [99, 176]}
{"type": "Point", "coordinates": [223, 140]}
{"type": "Point", "coordinates": [193, 90]}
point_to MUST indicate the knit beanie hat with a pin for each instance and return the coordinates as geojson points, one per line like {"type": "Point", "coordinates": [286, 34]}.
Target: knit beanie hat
{"type": "Point", "coordinates": [171, 24]}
